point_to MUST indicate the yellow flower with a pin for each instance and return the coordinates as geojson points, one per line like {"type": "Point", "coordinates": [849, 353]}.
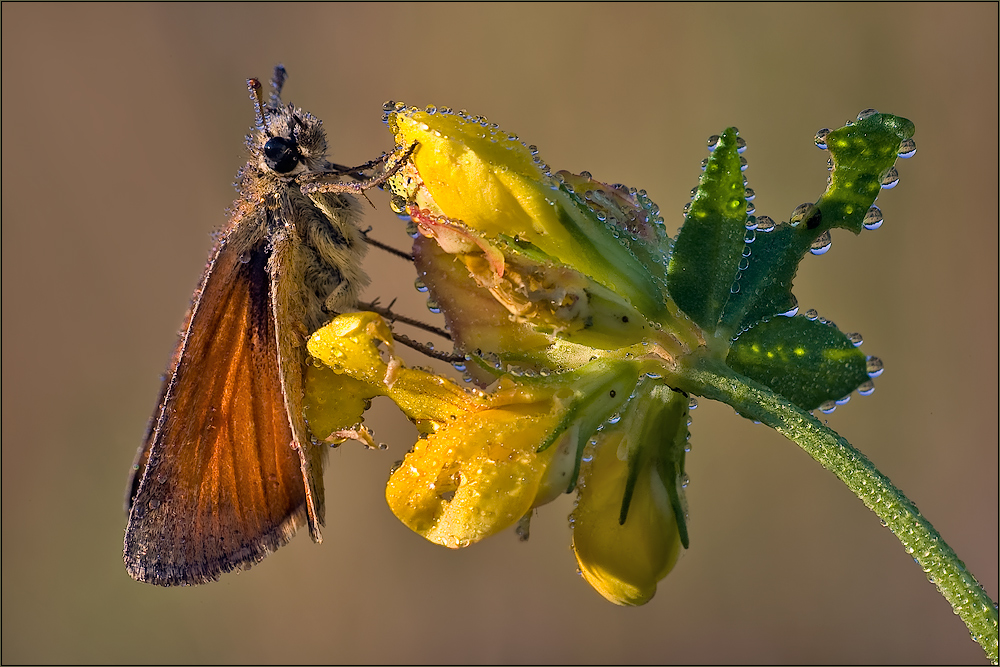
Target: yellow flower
{"type": "Point", "coordinates": [630, 521]}
{"type": "Point", "coordinates": [574, 257]}
{"type": "Point", "coordinates": [488, 459]}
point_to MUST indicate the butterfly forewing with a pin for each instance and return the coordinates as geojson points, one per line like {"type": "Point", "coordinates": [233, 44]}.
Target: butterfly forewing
{"type": "Point", "coordinates": [222, 438]}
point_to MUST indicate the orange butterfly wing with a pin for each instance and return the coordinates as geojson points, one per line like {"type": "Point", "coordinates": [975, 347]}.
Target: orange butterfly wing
{"type": "Point", "coordinates": [220, 483]}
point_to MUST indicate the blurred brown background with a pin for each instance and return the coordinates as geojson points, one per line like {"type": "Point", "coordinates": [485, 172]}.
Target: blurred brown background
{"type": "Point", "coordinates": [122, 132]}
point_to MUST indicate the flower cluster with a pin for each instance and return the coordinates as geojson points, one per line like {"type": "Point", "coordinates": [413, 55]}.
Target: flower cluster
{"type": "Point", "coordinates": [587, 326]}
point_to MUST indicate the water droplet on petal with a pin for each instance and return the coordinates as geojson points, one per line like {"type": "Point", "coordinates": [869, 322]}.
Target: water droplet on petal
{"type": "Point", "coordinates": [811, 314]}
{"type": "Point", "coordinates": [907, 148]}
{"type": "Point", "coordinates": [713, 142]}
{"type": "Point", "coordinates": [866, 388]}
{"type": "Point", "coordinates": [822, 244]}
{"type": "Point", "coordinates": [749, 195]}
{"type": "Point", "coordinates": [419, 284]}
{"type": "Point", "coordinates": [704, 164]}
{"type": "Point", "coordinates": [743, 163]}
{"type": "Point", "coordinates": [873, 218]}
{"type": "Point", "coordinates": [750, 208]}
{"type": "Point", "coordinates": [741, 144]}
{"type": "Point", "coordinates": [890, 179]}
{"type": "Point", "coordinates": [856, 339]}
{"type": "Point", "coordinates": [874, 367]}
{"type": "Point", "coordinates": [867, 113]}
{"type": "Point", "coordinates": [844, 400]}
{"type": "Point", "coordinates": [750, 236]}
{"type": "Point", "coordinates": [751, 222]}
{"type": "Point", "coordinates": [827, 407]}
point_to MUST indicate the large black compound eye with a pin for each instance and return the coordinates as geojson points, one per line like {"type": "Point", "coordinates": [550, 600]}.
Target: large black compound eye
{"type": "Point", "coordinates": [281, 155]}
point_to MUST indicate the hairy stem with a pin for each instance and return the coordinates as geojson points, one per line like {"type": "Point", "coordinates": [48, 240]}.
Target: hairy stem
{"type": "Point", "coordinates": [919, 538]}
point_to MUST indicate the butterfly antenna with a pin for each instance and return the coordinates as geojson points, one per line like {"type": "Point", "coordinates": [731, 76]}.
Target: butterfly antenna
{"type": "Point", "coordinates": [277, 83]}
{"type": "Point", "coordinates": [258, 103]}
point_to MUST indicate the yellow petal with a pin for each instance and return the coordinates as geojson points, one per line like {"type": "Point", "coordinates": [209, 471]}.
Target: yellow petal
{"type": "Point", "coordinates": [476, 477]}
{"type": "Point", "coordinates": [475, 174]}
{"type": "Point", "coordinates": [624, 561]}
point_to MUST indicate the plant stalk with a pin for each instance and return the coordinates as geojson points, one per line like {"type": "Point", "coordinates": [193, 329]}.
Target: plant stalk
{"type": "Point", "coordinates": [713, 379]}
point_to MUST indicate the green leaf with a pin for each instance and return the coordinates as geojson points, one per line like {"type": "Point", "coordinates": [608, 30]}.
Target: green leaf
{"type": "Point", "coordinates": [709, 247]}
{"type": "Point", "coordinates": [809, 362]}
{"type": "Point", "coordinates": [862, 154]}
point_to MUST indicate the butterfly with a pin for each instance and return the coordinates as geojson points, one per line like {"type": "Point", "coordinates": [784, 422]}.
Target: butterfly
{"type": "Point", "coordinates": [228, 470]}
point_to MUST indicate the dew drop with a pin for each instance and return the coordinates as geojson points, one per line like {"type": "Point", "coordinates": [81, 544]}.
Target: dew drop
{"type": "Point", "coordinates": [822, 244]}
{"type": "Point", "coordinates": [693, 403]}
{"type": "Point", "coordinates": [751, 222]}
{"type": "Point", "coordinates": [694, 191]}
{"type": "Point", "coordinates": [800, 213]}
{"type": "Point", "coordinates": [866, 388]}
{"type": "Point", "coordinates": [749, 195]}
{"type": "Point", "coordinates": [890, 179]}
{"type": "Point", "coordinates": [419, 284]}
{"type": "Point", "coordinates": [735, 288]}
{"type": "Point", "coordinates": [743, 163]}
{"type": "Point", "coordinates": [827, 407]}
{"type": "Point", "coordinates": [750, 236]}
{"type": "Point", "coordinates": [704, 164]}
{"type": "Point", "coordinates": [874, 367]}
{"type": "Point", "coordinates": [614, 419]}
{"type": "Point", "coordinates": [821, 138]}
{"type": "Point", "coordinates": [685, 480]}
{"type": "Point", "coordinates": [750, 208]}
{"type": "Point", "coordinates": [433, 306]}
{"type": "Point", "coordinates": [744, 264]}
{"type": "Point", "coordinates": [713, 142]}
{"type": "Point", "coordinates": [791, 312]}
{"type": "Point", "coordinates": [741, 144]}
{"type": "Point", "coordinates": [431, 110]}
{"type": "Point", "coordinates": [867, 113]}
{"type": "Point", "coordinates": [907, 148]}
{"type": "Point", "coordinates": [765, 224]}
{"type": "Point", "coordinates": [873, 218]}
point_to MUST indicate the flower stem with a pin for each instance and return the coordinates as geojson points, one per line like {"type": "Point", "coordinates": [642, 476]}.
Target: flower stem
{"type": "Point", "coordinates": [717, 381]}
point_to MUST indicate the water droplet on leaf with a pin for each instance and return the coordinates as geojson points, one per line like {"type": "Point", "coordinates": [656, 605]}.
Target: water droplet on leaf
{"type": "Point", "coordinates": [890, 179]}
{"type": "Point", "coordinates": [873, 218]}
{"type": "Point", "coordinates": [907, 148]}
{"type": "Point", "coordinates": [822, 244]}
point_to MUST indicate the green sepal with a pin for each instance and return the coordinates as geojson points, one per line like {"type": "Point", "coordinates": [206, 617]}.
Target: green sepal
{"type": "Point", "coordinates": [708, 250]}
{"type": "Point", "coordinates": [809, 362]}
{"type": "Point", "coordinates": [659, 417]}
